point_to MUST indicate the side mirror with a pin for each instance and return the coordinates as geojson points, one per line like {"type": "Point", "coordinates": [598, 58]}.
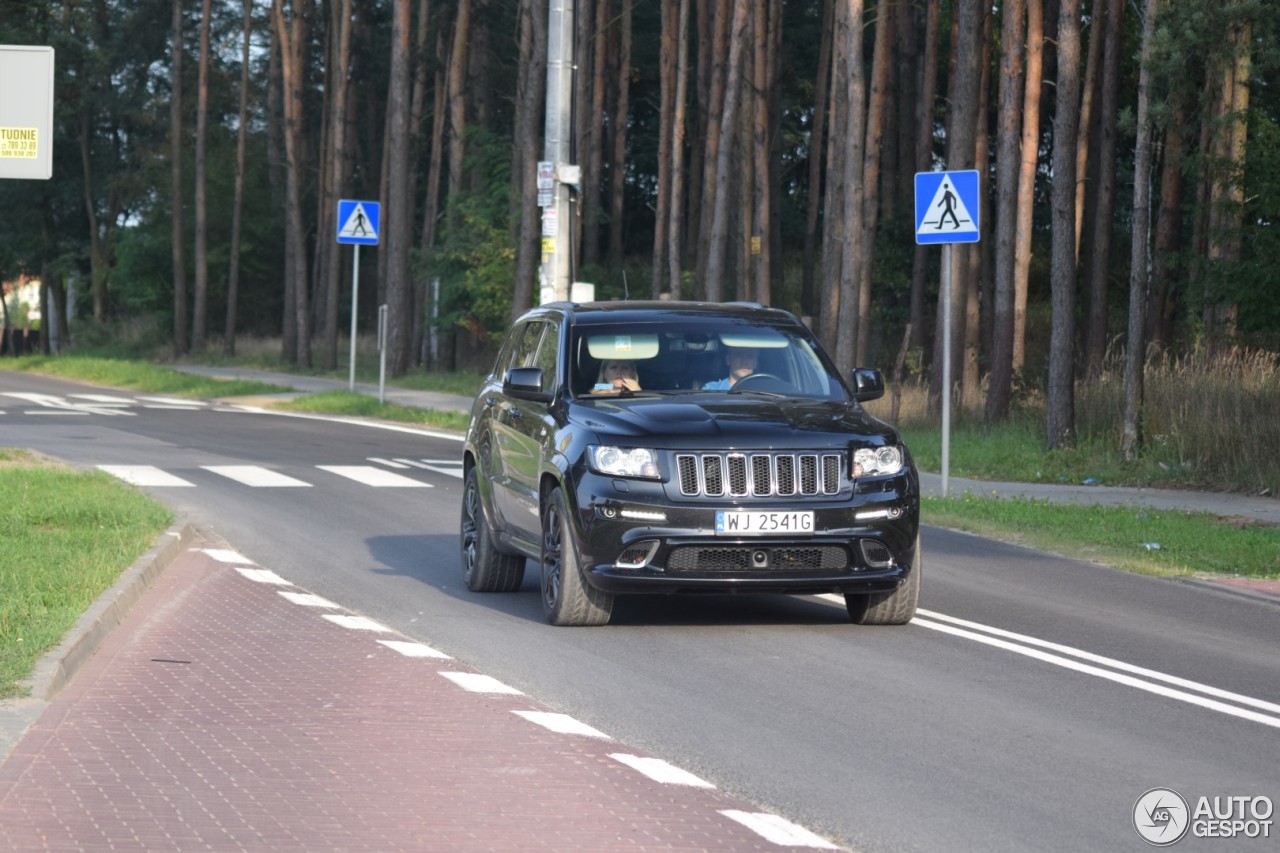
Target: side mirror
{"type": "Point", "coordinates": [523, 381]}
{"type": "Point", "coordinates": [868, 384]}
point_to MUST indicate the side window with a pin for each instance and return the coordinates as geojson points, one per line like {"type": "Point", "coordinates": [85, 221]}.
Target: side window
{"type": "Point", "coordinates": [527, 348]}
{"type": "Point", "coordinates": [503, 362]}
{"type": "Point", "coordinates": [548, 357]}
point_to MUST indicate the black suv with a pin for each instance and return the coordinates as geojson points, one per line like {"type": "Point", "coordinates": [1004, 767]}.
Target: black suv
{"type": "Point", "coordinates": [672, 447]}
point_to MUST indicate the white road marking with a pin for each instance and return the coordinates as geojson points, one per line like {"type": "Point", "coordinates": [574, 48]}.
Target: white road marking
{"type": "Point", "coordinates": [1029, 646]}
{"type": "Point", "coordinates": [371, 476]}
{"type": "Point", "coordinates": [306, 599]}
{"type": "Point", "coordinates": [174, 402]}
{"type": "Point", "coordinates": [414, 650]}
{"type": "Point", "coordinates": [263, 576]}
{"type": "Point", "coordinates": [59, 405]}
{"type": "Point", "coordinates": [777, 830]}
{"type": "Point", "coordinates": [226, 555]}
{"type": "Point", "coordinates": [388, 462]}
{"type": "Point", "coordinates": [256, 476]}
{"type": "Point", "coordinates": [104, 399]}
{"type": "Point", "coordinates": [660, 771]}
{"type": "Point", "coordinates": [357, 623]}
{"type": "Point", "coordinates": [561, 724]}
{"type": "Point", "coordinates": [144, 475]}
{"type": "Point", "coordinates": [477, 683]}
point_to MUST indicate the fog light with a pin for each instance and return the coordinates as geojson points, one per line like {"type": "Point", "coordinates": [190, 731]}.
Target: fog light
{"type": "Point", "coordinates": [636, 556]}
{"type": "Point", "coordinates": [876, 554]}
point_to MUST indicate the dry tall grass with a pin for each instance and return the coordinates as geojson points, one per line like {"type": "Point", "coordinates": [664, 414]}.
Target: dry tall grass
{"type": "Point", "coordinates": [1208, 419]}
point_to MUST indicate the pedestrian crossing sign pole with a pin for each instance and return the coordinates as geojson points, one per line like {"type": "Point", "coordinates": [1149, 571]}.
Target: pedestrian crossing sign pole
{"type": "Point", "coordinates": [948, 210]}
{"type": "Point", "coordinates": [358, 223]}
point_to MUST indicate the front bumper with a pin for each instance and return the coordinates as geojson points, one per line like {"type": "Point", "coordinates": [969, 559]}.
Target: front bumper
{"type": "Point", "coordinates": [634, 538]}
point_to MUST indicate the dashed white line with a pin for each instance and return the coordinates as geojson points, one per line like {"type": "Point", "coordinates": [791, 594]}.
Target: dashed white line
{"type": "Point", "coordinates": [661, 771]}
{"type": "Point", "coordinates": [357, 623]}
{"type": "Point", "coordinates": [474, 682]}
{"type": "Point", "coordinates": [226, 555]}
{"type": "Point", "coordinates": [371, 476]}
{"type": "Point", "coordinates": [263, 576]}
{"type": "Point", "coordinates": [414, 650]}
{"type": "Point", "coordinates": [306, 599]}
{"type": "Point", "coordinates": [144, 475]}
{"type": "Point", "coordinates": [778, 831]}
{"type": "Point", "coordinates": [561, 724]}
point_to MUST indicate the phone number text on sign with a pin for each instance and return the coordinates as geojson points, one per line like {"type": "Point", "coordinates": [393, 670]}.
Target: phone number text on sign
{"type": "Point", "coordinates": [19, 143]}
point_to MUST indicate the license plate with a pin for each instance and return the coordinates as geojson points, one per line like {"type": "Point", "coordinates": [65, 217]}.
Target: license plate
{"type": "Point", "coordinates": [764, 523]}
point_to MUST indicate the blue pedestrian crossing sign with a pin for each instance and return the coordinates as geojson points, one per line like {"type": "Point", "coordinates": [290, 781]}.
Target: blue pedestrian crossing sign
{"type": "Point", "coordinates": [947, 207]}
{"type": "Point", "coordinates": [358, 222]}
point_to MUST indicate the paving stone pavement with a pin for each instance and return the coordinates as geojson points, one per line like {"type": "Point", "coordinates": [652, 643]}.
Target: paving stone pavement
{"type": "Point", "coordinates": [230, 710]}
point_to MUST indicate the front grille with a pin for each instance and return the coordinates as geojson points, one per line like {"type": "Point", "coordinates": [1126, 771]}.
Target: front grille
{"type": "Point", "coordinates": [735, 559]}
{"type": "Point", "coordinates": [740, 475]}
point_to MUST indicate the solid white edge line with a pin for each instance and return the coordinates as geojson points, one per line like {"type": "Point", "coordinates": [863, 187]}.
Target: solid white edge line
{"type": "Point", "coordinates": [778, 830]}
{"type": "Point", "coordinates": [561, 724]}
{"type": "Point", "coordinates": [258, 410]}
{"type": "Point", "coordinates": [1105, 661]}
{"type": "Point", "coordinates": [1127, 680]}
{"type": "Point", "coordinates": [660, 771]}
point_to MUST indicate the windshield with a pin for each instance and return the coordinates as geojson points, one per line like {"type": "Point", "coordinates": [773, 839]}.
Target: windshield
{"type": "Point", "coordinates": [706, 354]}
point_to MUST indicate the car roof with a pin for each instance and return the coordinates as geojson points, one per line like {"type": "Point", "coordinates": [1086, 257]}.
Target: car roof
{"type": "Point", "coordinates": [590, 313]}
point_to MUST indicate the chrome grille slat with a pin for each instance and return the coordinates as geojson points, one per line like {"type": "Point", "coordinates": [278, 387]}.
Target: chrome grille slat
{"type": "Point", "coordinates": [740, 475]}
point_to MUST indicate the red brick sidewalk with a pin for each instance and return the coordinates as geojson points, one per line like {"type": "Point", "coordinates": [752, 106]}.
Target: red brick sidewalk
{"type": "Point", "coordinates": [223, 715]}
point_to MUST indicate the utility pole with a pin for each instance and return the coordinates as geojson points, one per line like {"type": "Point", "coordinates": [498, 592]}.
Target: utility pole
{"type": "Point", "coordinates": [556, 177]}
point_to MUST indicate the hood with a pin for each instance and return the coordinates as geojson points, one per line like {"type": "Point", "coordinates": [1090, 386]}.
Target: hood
{"type": "Point", "coordinates": [737, 420]}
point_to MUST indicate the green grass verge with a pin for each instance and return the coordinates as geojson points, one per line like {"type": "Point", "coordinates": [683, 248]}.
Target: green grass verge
{"type": "Point", "coordinates": [347, 403]}
{"type": "Point", "coordinates": [65, 536]}
{"type": "Point", "coordinates": [136, 376]}
{"type": "Point", "coordinates": [1137, 539]}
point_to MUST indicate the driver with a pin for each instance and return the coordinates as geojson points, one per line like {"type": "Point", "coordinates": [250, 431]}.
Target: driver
{"type": "Point", "coordinates": [741, 362]}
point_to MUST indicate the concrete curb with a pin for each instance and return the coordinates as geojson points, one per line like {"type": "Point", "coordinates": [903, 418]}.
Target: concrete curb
{"type": "Point", "coordinates": [60, 664]}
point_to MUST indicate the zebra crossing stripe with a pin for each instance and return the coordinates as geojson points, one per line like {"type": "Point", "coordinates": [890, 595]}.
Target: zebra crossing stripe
{"type": "Point", "coordinates": [144, 475]}
{"type": "Point", "coordinates": [256, 476]}
{"type": "Point", "coordinates": [371, 476]}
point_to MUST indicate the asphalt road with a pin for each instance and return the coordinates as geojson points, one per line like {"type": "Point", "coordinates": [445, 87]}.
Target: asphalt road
{"type": "Point", "coordinates": [1027, 708]}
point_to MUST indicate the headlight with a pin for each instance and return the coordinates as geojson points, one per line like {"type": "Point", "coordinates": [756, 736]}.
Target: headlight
{"type": "Point", "coordinates": [625, 461]}
{"type": "Point", "coordinates": [876, 461]}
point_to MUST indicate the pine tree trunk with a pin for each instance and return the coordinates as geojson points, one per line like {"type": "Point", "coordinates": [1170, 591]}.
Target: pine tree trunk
{"type": "Point", "coordinates": [666, 97]}
{"type": "Point", "coordinates": [817, 143]}
{"type": "Point", "coordinates": [1085, 124]}
{"type": "Point", "coordinates": [718, 249]}
{"type": "Point", "coordinates": [399, 211]}
{"type": "Point", "coordinates": [854, 95]}
{"type": "Point", "coordinates": [1161, 307]}
{"type": "Point", "coordinates": [200, 308]}
{"type": "Point", "coordinates": [873, 151]}
{"type": "Point", "coordinates": [761, 236]}
{"type": "Point", "coordinates": [674, 250]}
{"type": "Point", "coordinates": [180, 338]}
{"type": "Point", "coordinates": [1060, 400]}
{"type": "Point", "coordinates": [924, 161]}
{"type": "Point", "coordinates": [533, 90]}
{"type": "Point", "coordinates": [292, 37]}
{"type": "Point", "coordinates": [1030, 160]}
{"type": "Point", "coordinates": [617, 170]}
{"type": "Point", "coordinates": [1008, 174]}
{"type": "Point", "coordinates": [1100, 257]}
{"type": "Point", "coordinates": [237, 205]}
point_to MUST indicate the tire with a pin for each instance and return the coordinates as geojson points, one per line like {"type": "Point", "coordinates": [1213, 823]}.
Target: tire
{"type": "Point", "coordinates": [484, 567]}
{"type": "Point", "coordinates": [895, 607]}
{"type": "Point", "coordinates": [567, 598]}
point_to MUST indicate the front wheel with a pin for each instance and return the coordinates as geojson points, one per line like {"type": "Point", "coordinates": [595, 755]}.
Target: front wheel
{"type": "Point", "coordinates": [567, 598]}
{"type": "Point", "coordinates": [895, 607]}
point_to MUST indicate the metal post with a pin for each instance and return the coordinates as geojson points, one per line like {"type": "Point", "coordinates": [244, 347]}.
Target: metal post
{"type": "Point", "coordinates": [355, 291]}
{"type": "Point", "coordinates": [946, 365]}
{"type": "Point", "coordinates": [382, 353]}
{"type": "Point", "coordinates": [553, 276]}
